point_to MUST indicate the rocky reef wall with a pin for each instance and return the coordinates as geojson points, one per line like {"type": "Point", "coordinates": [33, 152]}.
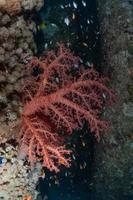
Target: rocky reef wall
{"type": "Point", "coordinates": [114, 173]}
{"type": "Point", "coordinates": [17, 45]}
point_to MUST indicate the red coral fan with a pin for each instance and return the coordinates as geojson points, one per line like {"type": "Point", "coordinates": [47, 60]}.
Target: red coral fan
{"type": "Point", "coordinates": [61, 97]}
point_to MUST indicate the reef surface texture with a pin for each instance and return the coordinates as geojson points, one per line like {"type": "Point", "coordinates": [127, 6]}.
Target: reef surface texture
{"type": "Point", "coordinates": [114, 176]}
{"type": "Point", "coordinates": [16, 46]}
{"type": "Point", "coordinates": [14, 7]}
{"type": "Point", "coordinates": [16, 178]}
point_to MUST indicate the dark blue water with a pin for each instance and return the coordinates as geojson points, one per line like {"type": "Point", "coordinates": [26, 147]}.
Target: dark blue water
{"type": "Point", "coordinates": [81, 35]}
{"type": "Point", "coordinates": [75, 24]}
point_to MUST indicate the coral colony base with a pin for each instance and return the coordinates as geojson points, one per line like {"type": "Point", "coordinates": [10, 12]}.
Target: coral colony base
{"type": "Point", "coordinates": [59, 96]}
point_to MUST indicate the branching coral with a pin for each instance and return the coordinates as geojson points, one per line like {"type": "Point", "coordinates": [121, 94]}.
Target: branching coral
{"type": "Point", "coordinates": [59, 99]}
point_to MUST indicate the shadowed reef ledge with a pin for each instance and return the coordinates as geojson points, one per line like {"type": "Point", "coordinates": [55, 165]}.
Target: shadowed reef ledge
{"type": "Point", "coordinates": [114, 155]}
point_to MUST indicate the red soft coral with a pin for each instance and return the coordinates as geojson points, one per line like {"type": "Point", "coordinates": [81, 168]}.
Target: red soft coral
{"type": "Point", "coordinates": [60, 98]}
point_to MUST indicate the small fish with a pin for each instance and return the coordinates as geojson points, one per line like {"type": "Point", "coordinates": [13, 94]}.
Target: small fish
{"type": "Point", "coordinates": [81, 26]}
{"type": "Point", "coordinates": [68, 5]}
{"type": "Point", "coordinates": [41, 26]}
{"type": "Point", "coordinates": [62, 161]}
{"type": "Point", "coordinates": [88, 21]}
{"type": "Point", "coordinates": [85, 44]}
{"type": "Point", "coordinates": [84, 165]}
{"type": "Point", "coordinates": [67, 21]}
{"type": "Point", "coordinates": [81, 167]}
{"type": "Point", "coordinates": [73, 16]}
{"type": "Point", "coordinates": [81, 61]}
{"type": "Point", "coordinates": [62, 6]}
{"type": "Point", "coordinates": [66, 174]}
{"type": "Point", "coordinates": [76, 66]}
{"type": "Point", "coordinates": [42, 174]}
{"type": "Point", "coordinates": [68, 44]}
{"type": "Point", "coordinates": [83, 143]}
{"type": "Point", "coordinates": [49, 184]}
{"type": "Point", "coordinates": [74, 158]}
{"type": "Point", "coordinates": [104, 96]}
{"type": "Point", "coordinates": [84, 3]}
{"type": "Point", "coordinates": [57, 80]}
{"type": "Point", "coordinates": [88, 64]}
{"type": "Point", "coordinates": [46, 45]}
{"type": "Point", "coordinates": [56, 182]}
{"type": "Point", "coordinates": [75, 5]}
{"type": "Point", "coordinates": [54, 25]}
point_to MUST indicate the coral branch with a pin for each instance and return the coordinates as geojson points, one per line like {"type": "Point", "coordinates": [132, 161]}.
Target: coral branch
{"type": "Point", "coordinates": [61, 98]}
{"type": "Point", "coordinates": [43, 144]}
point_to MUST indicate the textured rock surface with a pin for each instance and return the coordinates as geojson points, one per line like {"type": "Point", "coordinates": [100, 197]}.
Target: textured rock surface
{"type": "Point", "coordinates": [16, 178]}
{"type": "Point", "coordinates": [17, 43]}
{"type": "Point", "coordinates": [114, 177]}
{"type": "Point", "coordinates": [16, 46]}
{"type": "Point", "coordinates": [30, 4]}
{"type": "Point", "coordinates": [16, 39]}
{"type": "Point", "coordinates": [13, 7]}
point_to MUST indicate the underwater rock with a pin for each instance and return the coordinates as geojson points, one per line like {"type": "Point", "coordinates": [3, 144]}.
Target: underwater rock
{"type": "Point", "coordinates": [12, 36]}
{"type": "Point", "coordinates": [16, 178]}
{"type": "Point", "coordinates": [30, 4]}
{"type": "Point", "coordinates": [16, 40]}
{"type": "Point", "coordinates": [11, 7]}
{"type": "Point", "coordinates": [4, 34]}
{"type": "Point", "coordinates": [128, 109]}
{"type": "Point", "coordinates": [114, 155]}
{"type": "Point", "coordinates": [5, 19]}
{"type": "Point", "coordinates": [14, 7]}
{"type": "Point", "coordinates": [17, 181]}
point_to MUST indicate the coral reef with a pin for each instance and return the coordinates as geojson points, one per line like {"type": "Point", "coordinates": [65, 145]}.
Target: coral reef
{"type": "Point", "coordinates": [16, 38]}
{"type": "Point", "coordinates": [11, 7]}
{"type": "Point", "coordinates": [17, 45]}
{"type": "Point", "coordinates": [30, 4]}
{"type": "Point", "coordinates": [59, 99]}
{"type": "Point", "coordinates": [14, 7]}
{"type": "Point", "coordinates": [16, 178]}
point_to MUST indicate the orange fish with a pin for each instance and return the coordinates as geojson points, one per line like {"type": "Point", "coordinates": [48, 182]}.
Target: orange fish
{"type": "Point", "coordinates": [62, 161]}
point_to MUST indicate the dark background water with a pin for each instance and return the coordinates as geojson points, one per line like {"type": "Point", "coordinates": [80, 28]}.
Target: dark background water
{"type": "Point", "coordinates": [82, 33]}
{"type": "Point", "coordinates": [82, 36]}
